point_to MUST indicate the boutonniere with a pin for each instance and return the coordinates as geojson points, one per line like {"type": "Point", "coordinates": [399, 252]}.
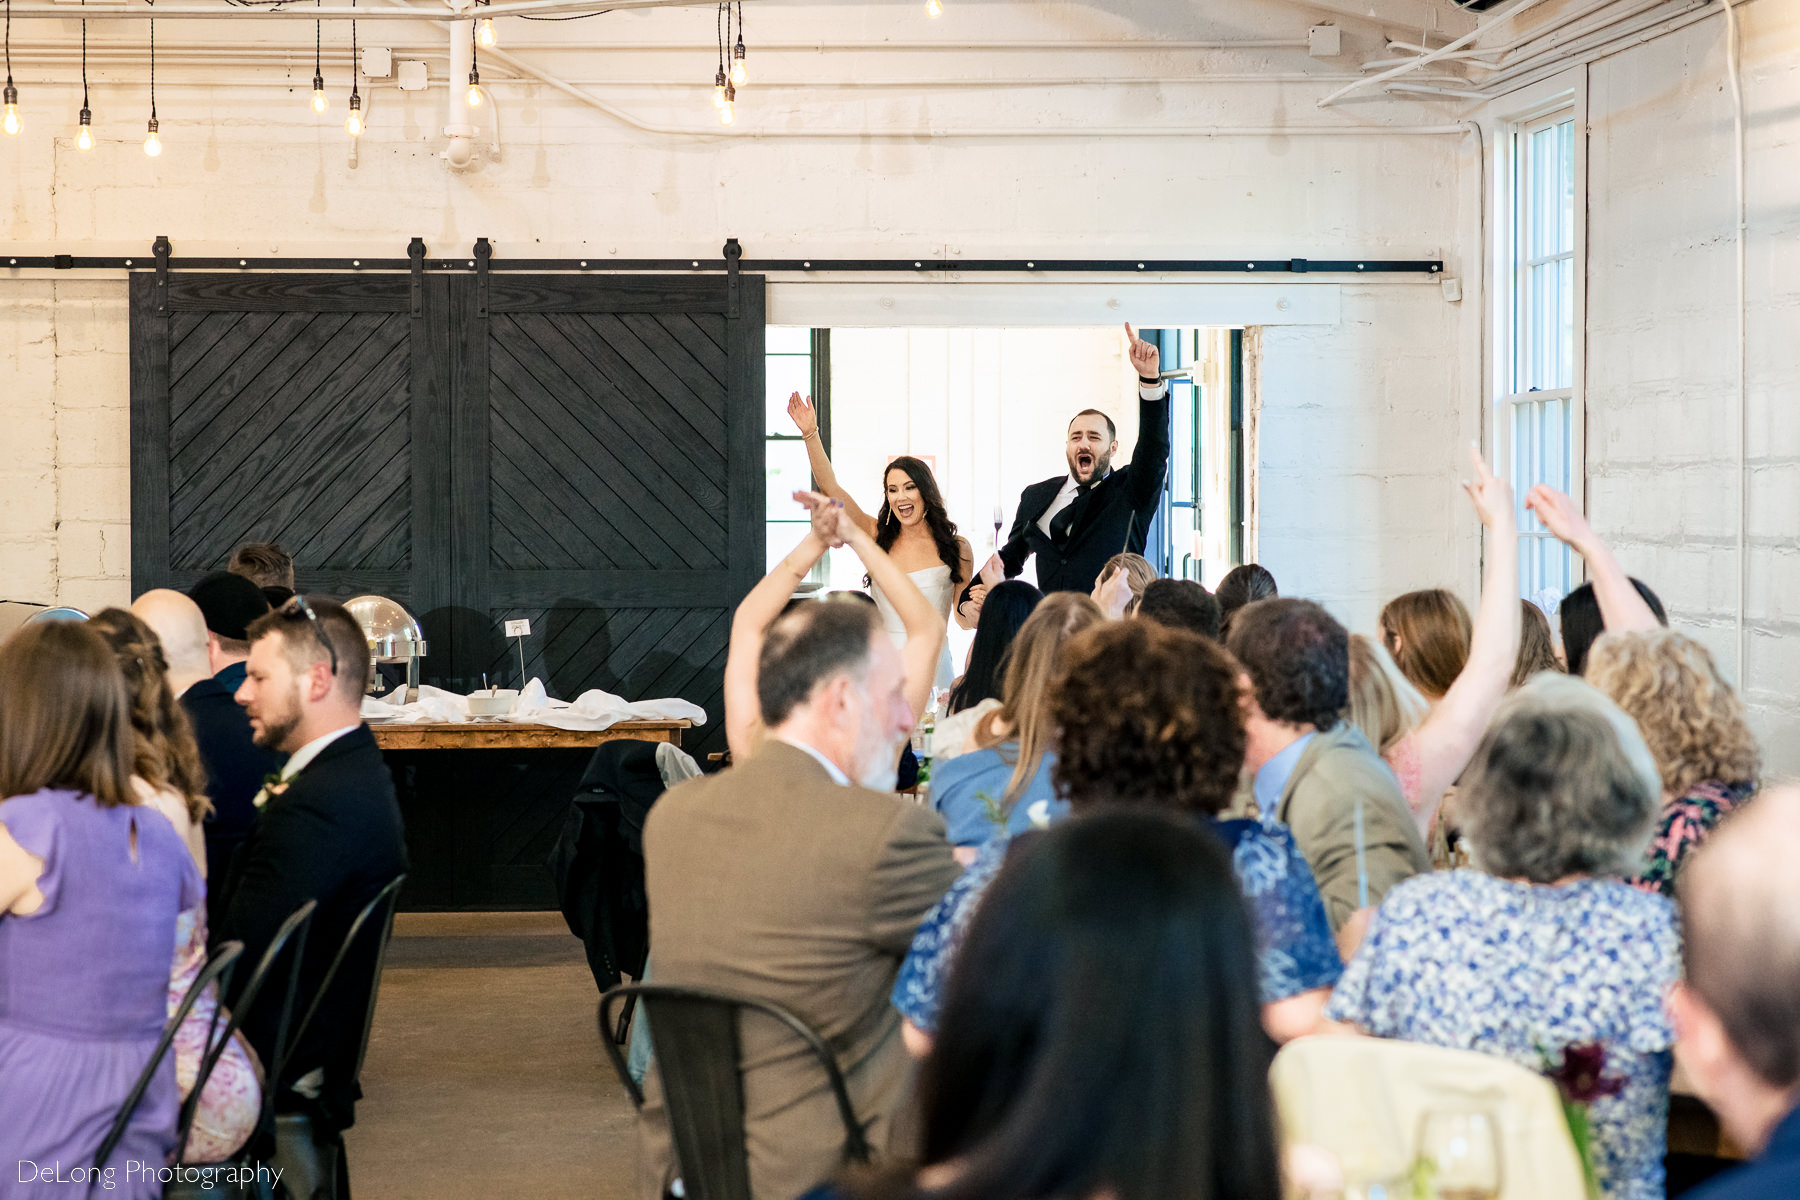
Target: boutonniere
{"type": "Point", "coordinates": [272, 786]}
{"type": "Point", "coordinates": [1580, 1080]}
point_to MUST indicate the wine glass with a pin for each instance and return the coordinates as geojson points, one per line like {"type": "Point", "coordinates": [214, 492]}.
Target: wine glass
{"type": "Point", "coordinates": [1459, 1150]}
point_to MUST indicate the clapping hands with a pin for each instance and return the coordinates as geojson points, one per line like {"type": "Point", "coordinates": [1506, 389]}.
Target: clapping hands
{"type": "Point", "coordinates": [831, 524]}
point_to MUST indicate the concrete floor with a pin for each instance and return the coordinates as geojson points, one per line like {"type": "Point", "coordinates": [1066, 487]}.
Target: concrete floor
{"type": "Point", "coordinates": [485, 1077]}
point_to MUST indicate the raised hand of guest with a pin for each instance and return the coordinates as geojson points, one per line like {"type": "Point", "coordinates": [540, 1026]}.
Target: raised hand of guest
{"type": "Point", "coordinates": [971, 608]}
{"type": "Point", "coordinates": [1621, 607]}
{"type": "Point", "coordinates": [1146, 359]}
{"type": "Point", "coordinates": [829, 522]}
{"type": "Point", "coordinates": [1113, 593]}
{"type": "Point", "coordinates": [1491, 495]}
{"type": "Point", "coordinates": [804, 416]}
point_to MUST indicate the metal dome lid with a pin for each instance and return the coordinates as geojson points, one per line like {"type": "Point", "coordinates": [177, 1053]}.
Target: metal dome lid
{"type": "Point", "coordinates": [394, 635]}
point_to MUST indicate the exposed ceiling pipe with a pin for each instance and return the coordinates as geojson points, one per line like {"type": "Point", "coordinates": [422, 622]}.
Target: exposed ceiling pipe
{"type": "Point", "coordinates": [1653, 17]}
{"type": "Point", "coordinates": [1450, 47]}
{"type": "Point", "coordinates": [105, 12]}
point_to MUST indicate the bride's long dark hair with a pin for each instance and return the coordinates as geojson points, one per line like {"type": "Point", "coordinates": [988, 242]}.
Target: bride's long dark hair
{"type": "Point", "coordinates": [937, 517]}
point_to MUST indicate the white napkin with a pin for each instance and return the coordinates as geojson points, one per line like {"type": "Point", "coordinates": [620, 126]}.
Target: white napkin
{"type": "Point", "coordinates": [597, 709]}
{"type": "Point", "coordinates": [434, 706]}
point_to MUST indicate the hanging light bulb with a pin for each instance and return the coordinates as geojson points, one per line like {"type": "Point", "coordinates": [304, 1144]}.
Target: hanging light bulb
{"type": "Point", "coordinates": [739, 76]}
{"type": "Point", "coordinates": [353, 124]}
{"type": "Point", "coordinates": [84, 132]}
{"type": "Point", "coordinates": [320, 102]}
{"type": "Point", "coordinates": [728, 110]}
{"type": "Point", "coordinates": [934, 8]}
{"type": "Point", "coordinates": [486, 34]}
{"type": "Point", "coordinates": [474, 93]}
{"type": "Point", "coordinates": [719, 90]}
{"type": "Point", "coordinates": [10, 122]}
{"type": "Point", "coordinates": [152, 143]}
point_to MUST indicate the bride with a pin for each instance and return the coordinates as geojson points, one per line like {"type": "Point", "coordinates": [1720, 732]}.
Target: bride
{"type": "Point", "coordinates": [912, 526]}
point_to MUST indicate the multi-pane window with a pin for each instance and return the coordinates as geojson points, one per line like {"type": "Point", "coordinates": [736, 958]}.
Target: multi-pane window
{"type": "Point", "coordinates": [793, 355]}
{"type": "Point", "coordinates": [1538, 376]}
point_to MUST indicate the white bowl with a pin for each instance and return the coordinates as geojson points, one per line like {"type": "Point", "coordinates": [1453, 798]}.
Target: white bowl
{"type": "Point", "coordinates": [492, 704]}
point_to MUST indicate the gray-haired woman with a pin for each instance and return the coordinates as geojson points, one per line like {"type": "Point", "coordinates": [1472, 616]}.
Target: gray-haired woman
{"type": "Point", "coordinates": [1538, 951]}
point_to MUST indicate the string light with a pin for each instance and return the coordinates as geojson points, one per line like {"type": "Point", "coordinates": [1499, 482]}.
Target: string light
{"type": "Point", "coordinates": [353, 124]}
{"type": "Point", "coordinates": [84, 132]}
{"type": "Point", "coordinates": [728, 113]}
{"type": "Point", "coordinates": [739, 76]}
{"type": "Point", "coordinates": [10, 122]}
{"type": "Point", "coordinates": [319, 101]}
{"type": "Point", "coordinates": [474, 93]}
{"type": "Point", "coordinates": [719, 90]}
{"type": "Point", "coordinates": [152, 143]}
{"type": "Point", "coordinates": [486, 35]}
{"type": "Point", "coordinates": [934, 8]}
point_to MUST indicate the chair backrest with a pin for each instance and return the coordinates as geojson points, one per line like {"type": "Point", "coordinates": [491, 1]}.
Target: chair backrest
{"type": "Point", "coordinates": [1362, 1100]}
{"type": "Point", "coordinates": [694, 1032]}
{"type": "Point", "coordinates": [292, 930]}
{"type": "Point", "coordinates": [380, 910]}
{"type": "Point", "coordinates": [217, 970]}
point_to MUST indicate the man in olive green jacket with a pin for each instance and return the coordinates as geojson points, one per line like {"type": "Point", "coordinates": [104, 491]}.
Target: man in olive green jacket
{"type": "Point", "coordinates": [1315, 772]}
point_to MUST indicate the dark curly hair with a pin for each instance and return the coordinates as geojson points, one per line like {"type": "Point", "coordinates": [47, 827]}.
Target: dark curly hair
{"type": "Point", "coordinates": [1147, 715]}
{"type": "Point", "coordinates": [937, 517]}
{"type": "Point", "coordinates": [1298, 657]}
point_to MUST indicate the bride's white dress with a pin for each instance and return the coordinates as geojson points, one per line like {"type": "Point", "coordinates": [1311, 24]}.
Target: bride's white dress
{"type": "Point", "coordinates": [935, 583]}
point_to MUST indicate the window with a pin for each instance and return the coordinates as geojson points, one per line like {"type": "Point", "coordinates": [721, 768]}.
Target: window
{"type": "Point", "coordinates": [1192, 535]}
{"type": "Point", "coordinates": [796, 361]}
{"type": "Point", "coordinates": [1538, 398]}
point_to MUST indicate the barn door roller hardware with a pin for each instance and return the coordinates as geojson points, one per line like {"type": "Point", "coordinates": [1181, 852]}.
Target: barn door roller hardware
{"type": "Point", "coordinates": [732, 262]}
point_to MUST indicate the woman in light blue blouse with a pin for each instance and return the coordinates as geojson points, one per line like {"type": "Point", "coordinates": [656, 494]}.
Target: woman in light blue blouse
{"type": "Point", "coordinates": [1001, 783]}
{"type": "Point", "coordinates": [1150, 717]}
{"type": "Point", "coordinates": [1539, 951]}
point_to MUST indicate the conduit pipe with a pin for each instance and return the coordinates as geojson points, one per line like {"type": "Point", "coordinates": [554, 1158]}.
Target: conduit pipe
{"type": "Point", "coordinates": [1733, 49]}
{"type": "Point", "coordinates": [459, 150]}
{"type": "Point", "coordinates": [1442, 52]}
{"type": "Point", "coordinates": [1596, 43]}
{"type": "Point", "coordinates": [105, 12]}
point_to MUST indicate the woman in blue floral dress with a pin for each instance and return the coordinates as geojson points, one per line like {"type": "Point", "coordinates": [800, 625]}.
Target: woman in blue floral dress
{"type": "Point", "coordinates": [1136, 730]}
{"type": "Point", "coordinates": [1540, 950]}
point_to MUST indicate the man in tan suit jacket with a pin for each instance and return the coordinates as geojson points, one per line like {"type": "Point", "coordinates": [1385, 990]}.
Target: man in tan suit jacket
{"type": "Point", "coordinates": [782, 879]}
{"type": "Point", "coordinates": [1315, 772]}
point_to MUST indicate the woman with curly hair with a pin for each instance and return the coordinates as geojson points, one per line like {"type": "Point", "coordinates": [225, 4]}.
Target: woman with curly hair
{"type": "Point", "coordinates": [912, 527]}
{"type": "Point", "coordinates": [166, 775]}
{"type": "Point", "coordinates": [1150, 717]}
{"type": "Point", "coordinates": [1694, 724]}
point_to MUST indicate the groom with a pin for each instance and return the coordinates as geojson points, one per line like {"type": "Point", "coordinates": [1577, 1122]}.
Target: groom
{"type": "Point", "coordinates": [1075, 522]}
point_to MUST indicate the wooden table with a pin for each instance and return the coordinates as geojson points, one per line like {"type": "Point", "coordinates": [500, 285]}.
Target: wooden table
{"type": "Point", "coordinates": [511, 735]}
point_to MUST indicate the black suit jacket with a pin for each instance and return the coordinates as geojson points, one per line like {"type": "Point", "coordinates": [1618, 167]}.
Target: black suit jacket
{"type": "Point", "coordinates": [1111, 517]}
{"type": "Point", "coordinates": [334, 836]}
{"type": "Point", "coordinates": [235, 769]}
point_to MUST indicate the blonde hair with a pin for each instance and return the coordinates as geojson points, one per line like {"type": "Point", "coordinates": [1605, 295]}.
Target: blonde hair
{"type": "Point", "coordinates": [1139, 574]}
{"type": "Point", "coordinates": [1383, 703]}
{"type": "Point", "coordinates": [1537, 648]}
{"type": "Point", "coordinates": [1692, 720]}
{"type": "Point", "coordinates": [1428, 634]}
{"type": "Point", "coordinates": [1031, 664]}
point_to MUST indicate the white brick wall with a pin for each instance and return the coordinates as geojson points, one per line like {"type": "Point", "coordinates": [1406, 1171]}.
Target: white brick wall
{"type": "Point", "coordinates": [1662, 345]}
{"type": "Point", "coordinates": [1362, 422]}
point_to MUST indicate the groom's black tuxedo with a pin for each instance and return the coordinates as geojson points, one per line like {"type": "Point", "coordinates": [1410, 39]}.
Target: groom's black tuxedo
{"type": "Point", "coordinates": [1111, 516]}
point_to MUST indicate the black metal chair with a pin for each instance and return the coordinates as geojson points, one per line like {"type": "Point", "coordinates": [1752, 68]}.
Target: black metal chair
{"type": "Point", "coordinates": [309, 1153]}
{"type": "Point", "coordinates": [217, 970]}
{"type": "Point", "coordinates": [694, 1032]}
{"type": "Point", "coordinates": [294, 931]}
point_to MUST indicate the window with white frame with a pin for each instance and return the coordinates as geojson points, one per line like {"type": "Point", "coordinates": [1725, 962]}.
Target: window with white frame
{"type": "Point", "coordinates": [1537, 388]}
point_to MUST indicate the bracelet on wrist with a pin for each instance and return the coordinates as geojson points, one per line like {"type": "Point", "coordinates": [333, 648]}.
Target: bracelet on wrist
{"type": "Point", "coordinates": [1148, 382]}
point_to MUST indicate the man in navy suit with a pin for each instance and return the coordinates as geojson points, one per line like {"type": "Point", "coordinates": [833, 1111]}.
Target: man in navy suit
{"type": "Point", "coordinates": [329, 830]}
{"type": "Point", "coordinates": [1737, 1010]}
{"type": "Point", "coordinates": [1073, 523]}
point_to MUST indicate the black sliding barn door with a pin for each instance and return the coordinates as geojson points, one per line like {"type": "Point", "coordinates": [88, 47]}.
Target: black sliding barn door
{"type": "Point", "coordinates": [607, 439]}
{"type": "Point", "coordinates": [303, 409]}
{"type": "Point", "coordinates": [584, 452]}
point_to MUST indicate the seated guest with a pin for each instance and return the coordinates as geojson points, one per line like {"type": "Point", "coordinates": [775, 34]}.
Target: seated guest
{"type": "Point", "coordinates": [798, 876]}
{"type": "Point", "coordinates": [265, 564]}
{"type": "Point", "coordinates": [329, 831]}
{"type": "Point", "coordinates": [1099, 1034]}
{"type": "Point", "coordinates": [1313, 771]}
{"type": "Point", "coordinates": [91, 883]}
{"type": "Point", "coordinates": [1613, 601]}
{"type": "Point", "coordinates": [1001, 781]}
{"type": "Point", "coordinates": [1180, 604]}
{"type": "Point", "coordinates": [167, 776]}
{"type": "Point", "coordinates": [206, 651]}
{"type": "Point", "coordinates": [1695, 726]}
{"type": "Point", "coordinates": [1737, 1012]}
{"type": "Point", "coordinates": [977, 693]}
{"type": "Point", "coordinates": [1153, 718]}
{"type": "Point", "coordinates": [1428, 633]}
{"type": "Point", "coordinates": [773, 596]}
{"type": "Point", "coordinates": [1121, 584]}
{"type": "Point", "coordinates": [1243, 585]}
{"type": "Point", "coordinates": [1537, 646]}
{"type": "Point", "coordinates": [1539, 951]}
{"type": "Point", "coordinates": [1428, 744]}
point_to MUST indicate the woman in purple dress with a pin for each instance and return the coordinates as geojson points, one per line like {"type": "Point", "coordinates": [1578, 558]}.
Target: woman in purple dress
{"type": "Point", "coordinates": [90, 885]}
